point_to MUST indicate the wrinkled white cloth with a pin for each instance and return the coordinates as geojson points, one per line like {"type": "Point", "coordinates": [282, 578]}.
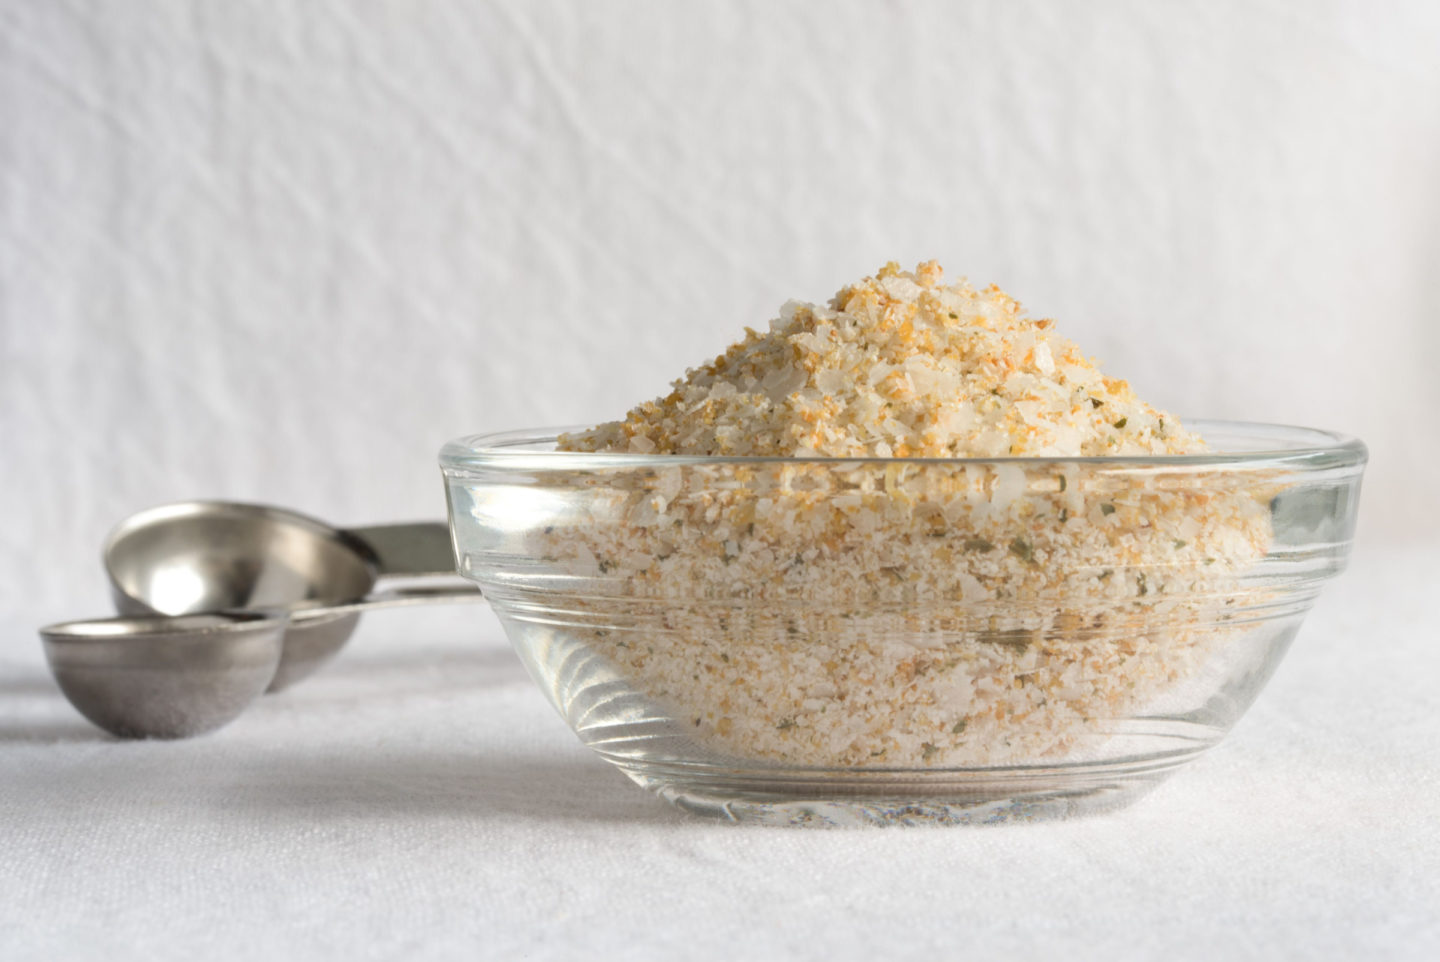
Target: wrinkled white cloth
{"type": "Point", "coordinates": [418, 799]}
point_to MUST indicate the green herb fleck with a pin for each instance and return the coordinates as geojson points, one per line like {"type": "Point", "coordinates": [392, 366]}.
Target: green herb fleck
{"type": "Point", "coordinates": [954, 315]}
{"type": "Point", "coordinates": [1107, 509]}
{"type": "Point", "coordinates": [724, 657]}
{"type": "Point", "coordinates": [785, 723]}
{"type": "Point", "coordinates": [1063, 483]}
{"type": "Point", "coordinates": [959, 726]}
{"type": "Point", "coordinates": [1096, 402]}
{"type": "Point", "coordinates": [1142, 585]}
{"type": "Point", "coordinates": [1209, 561]}
{"type": "Point", "coordinates": [1064, 515]}
{"type": "Point", "coordinates": [606, 566]}
{"type": "Point", "coordinates": [928, 751]}
{"type": "Point", "coordinates": [1121, 423]}
{"type": "Point", "coordinates": [979, 544]}
{"type": "Point", "coordinates": [1022, 549]}
{"type": "Point", "coordinates": [1180, 542]}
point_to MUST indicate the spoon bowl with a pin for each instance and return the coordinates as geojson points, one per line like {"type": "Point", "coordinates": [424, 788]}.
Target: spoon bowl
{"type": "Point", "coordinates": [204, 556]}
{"type": "Point", "coordinates": [165, 677]}
{"type": "Point", "coordinates": [210, 556]}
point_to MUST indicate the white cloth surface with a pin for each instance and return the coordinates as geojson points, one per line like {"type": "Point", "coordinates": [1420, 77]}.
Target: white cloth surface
{"type": "Point", "coordinates": [418, 799]}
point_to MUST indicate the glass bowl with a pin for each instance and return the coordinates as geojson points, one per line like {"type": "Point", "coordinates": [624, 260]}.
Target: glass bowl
{"type": "Point", "coordinates": [792, 640]}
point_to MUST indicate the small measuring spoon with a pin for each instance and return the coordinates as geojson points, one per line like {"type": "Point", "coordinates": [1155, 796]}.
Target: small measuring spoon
{"type": "Point", "coordinates": [208, 556]}
{"type": "Point", "coordinates": [173, 677]}
{"type": "Point", "coordinates": [164, 677]}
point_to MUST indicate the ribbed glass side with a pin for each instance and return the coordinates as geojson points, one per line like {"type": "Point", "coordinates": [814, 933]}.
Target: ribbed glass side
{"type": "Point", "coordinates": [641, 687]}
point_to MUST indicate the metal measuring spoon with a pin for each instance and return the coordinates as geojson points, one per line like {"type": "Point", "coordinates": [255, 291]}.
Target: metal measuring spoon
{"type": "Point", "coordinates": [173, 677]}
{"type": "Point", "coordinates": [162, 677]}
{"type": "Point", "coordinates": [207, 556]}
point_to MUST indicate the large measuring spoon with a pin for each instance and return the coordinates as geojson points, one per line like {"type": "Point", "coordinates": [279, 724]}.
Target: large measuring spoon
{"type": "Point", "coordinates": [210, 556]}
{"type": "Point", "coordinates": [173, 677]}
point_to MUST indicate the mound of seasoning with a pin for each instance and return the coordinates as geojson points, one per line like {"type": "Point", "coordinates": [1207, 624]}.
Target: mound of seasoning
{"type": "Point", "coordinates": [846, 602]}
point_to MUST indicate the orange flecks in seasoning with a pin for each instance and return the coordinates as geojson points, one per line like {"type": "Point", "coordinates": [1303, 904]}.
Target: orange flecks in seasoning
{"type": "Point", "coordinates": [958, 360]}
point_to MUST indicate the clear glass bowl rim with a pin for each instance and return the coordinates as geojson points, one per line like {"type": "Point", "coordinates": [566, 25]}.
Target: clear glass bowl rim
{"type": "Point", "coordinates": [1283, 446]}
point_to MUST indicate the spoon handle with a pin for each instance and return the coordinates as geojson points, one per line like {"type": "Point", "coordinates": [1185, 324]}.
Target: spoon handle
{"type": "Point", "coordinates": [410, 550]}
{"type": "Point", "coordinates": [398, 598]}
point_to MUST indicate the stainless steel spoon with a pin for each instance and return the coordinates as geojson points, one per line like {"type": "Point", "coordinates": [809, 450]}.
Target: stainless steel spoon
{"type": "Point", "coordinates": [208, 556]}
{"type": "Point", "coordinates": [163, 677]}
{"type": "Point", "coordinates": [177, 676]}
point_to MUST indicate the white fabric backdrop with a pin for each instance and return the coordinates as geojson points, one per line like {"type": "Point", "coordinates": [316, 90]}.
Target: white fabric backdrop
{"type": "Point", "coordinates": [281, 252]}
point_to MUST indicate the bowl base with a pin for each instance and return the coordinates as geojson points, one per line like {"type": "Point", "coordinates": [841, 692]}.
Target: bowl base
{"type": "Point", "coordinates": [944, 798]}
